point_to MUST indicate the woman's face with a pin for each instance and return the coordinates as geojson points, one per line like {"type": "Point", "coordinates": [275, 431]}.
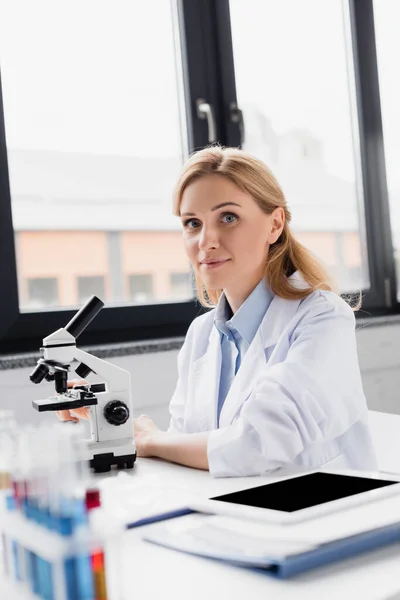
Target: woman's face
{"type": "Point", "coordinates": [226, 235]}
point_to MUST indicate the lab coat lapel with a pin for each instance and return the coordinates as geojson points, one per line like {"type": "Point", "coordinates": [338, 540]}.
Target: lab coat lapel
{"type": "Point", "coordinates": [249, 370]}
{"type": "Point", "coordinates": [275, 321]}
{"type": "Point", "coordinates": [206, 376]}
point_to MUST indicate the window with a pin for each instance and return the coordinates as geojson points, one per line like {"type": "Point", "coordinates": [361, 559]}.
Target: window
{"type": "Point", "coordinates": [181, 285]}
{"type": "Point", "coordinates": [297, 118]}
{"type": "Point", "coordinates": [141, 288]}
{"type": "Point", "coordinates": [387, 19]}
{"type": "Point", "coordinates": [93, 133]}
{"type": "Point", "coordinates": [89, 286]}
{"type": "Point", "coordinates": [94, 136]}
{"type": "Point", "coordinates": [42, 292]}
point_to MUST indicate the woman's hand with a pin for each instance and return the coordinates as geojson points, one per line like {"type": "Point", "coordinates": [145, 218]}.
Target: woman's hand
{"type": "Point", "coordinates": [76, 413]}
{"type": "Point", "coordinates": [146, 432]}
{"type": "Point", "coordinates": [189, 449]}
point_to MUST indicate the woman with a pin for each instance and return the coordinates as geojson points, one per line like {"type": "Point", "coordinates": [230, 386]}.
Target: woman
{"type": "Point", "coordinates": [270, 376]}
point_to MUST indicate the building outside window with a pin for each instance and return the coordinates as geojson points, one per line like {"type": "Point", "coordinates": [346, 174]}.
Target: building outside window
{"type": "Point", "coordinates": [181, 286]}
{"type": "Point", "coordinates": [92, 166]}
{"type": "Point", "coordinates": [91, 286]}
{"type": "Point", "coordinates": [141, 288]}
{"type": "Point", "coordinates": [42, 292]}
{"type": "Point", "coordinates": [299, 118]}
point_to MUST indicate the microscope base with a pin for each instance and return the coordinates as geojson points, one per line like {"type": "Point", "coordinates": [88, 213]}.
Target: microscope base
{"type": "Point", "coordinates": [102, 463]}
{"type": "Point", "coordinates": [103, 455]}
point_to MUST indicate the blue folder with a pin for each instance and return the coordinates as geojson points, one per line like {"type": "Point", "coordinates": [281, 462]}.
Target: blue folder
{"type": "Point", "coordinates": [299, 563]}
{"type": "Point", "coordinates": [334, 551]}
{"type": "Point", "coordinates": [172, 514]}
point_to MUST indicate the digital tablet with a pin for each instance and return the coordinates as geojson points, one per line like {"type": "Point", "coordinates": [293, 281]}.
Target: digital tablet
{"type": "Point", "coordinates": [301, 497]}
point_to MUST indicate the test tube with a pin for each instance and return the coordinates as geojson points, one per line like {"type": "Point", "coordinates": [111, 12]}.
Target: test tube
{"type": "Point", "coordinates": [7, 447]}
{"type": "Point", "coordinates": [99, 573]}
{"type": "Point", "coordinates": [62, 506]}
{"type": "Point", "coordinates": [93, 501]}
{"type": "Point", "coordinates": [84, 569]}
{"type": "Point", "coordinates": [52, 486]}
{"type": "Point", "coordinates": [27, 492]}
{"type": "Point", "coordinates": [7, 460]}
{"type": "Point", "coordinates": [19, 487]}
{"type": "Point", "coordinates": [75, 480]}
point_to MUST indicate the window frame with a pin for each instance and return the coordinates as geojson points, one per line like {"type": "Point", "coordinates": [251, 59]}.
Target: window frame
{"type": "Point", "coordinates": [208, 72]}
{"type": "Point", "coordinates": [381, 298]}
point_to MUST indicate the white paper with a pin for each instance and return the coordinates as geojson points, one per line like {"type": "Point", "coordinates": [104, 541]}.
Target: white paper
{"type": "Point", "coordinates": [321, 530]}
{"type": "Point", "coordinates": [259, 544]}
{"type": "Point", "coordinates": [195, 535]}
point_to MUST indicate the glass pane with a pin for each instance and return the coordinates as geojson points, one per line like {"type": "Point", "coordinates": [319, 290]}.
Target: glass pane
{"type": "Point", "coordinates": [295, 87]}
{"type": "Point", "coordinates": [42, 291]}
{"type": "Point", "coordinates": [96, 136]}
{"type": "Point", "coordinates": [141, 288]}
{"type": "Point", "coordinates": [89, 286]}
{"type": "Point", "coordinates": [387, 20]}
{"type": "Point", "coordinates": [181, 285]}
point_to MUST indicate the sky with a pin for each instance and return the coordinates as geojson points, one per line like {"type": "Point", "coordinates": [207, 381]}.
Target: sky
{"type": "Point", "coordinates": [100, 76]}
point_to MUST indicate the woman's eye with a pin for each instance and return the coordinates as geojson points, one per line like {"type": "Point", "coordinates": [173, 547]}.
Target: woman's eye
{"type": "Point", "coordinates": [191, 224]}
{"type": "Point", "coordinates": [229, 217]}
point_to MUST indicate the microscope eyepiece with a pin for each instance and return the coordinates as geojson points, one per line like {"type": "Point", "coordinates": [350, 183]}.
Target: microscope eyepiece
{"type": "Point", "coordinates": [39, 373]}
{"type": "Point", "coordinates": [84, 316]}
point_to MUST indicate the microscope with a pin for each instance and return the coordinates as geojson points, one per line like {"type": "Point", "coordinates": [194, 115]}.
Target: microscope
{"type": "Point", "coordinates": [110, 402]}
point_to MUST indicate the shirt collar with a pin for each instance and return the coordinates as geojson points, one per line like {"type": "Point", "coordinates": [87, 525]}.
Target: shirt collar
{"type": "Point", "coordinates": [247, 319]}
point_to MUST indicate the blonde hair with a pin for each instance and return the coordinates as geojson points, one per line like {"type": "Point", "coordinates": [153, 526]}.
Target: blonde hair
{"type": "Point", "coordinates": [253, 176]}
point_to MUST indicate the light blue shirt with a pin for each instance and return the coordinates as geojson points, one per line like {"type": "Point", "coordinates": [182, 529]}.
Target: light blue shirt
{"type": "Point", "coordinates": [237, 333]}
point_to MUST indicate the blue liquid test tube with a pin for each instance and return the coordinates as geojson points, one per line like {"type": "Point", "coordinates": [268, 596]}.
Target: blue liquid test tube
{"type": "Point", "coordinates": [69, 506]}
{"type": "Point", "coordinates": [7, 461]}
{"type": "Point", "coordinates": [19, 488]}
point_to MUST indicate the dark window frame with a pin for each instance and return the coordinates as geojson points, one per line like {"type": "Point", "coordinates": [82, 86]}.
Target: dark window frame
{"type": "Point", "coordinates": [208, 70]}
{"type": "Point", "coordinates": [381, 298]}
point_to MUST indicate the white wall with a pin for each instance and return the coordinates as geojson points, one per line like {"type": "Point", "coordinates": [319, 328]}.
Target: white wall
{"type": "Point", "coordinates": [379, 354]}
{"type": "Point", "coordinates": [154, 377]}
{"type": "Point", "coordinates": [153, 381]}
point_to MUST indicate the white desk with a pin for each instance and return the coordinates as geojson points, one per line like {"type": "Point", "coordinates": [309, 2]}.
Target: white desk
{"type": "Point", "coordinates": [150, 572]}
{"type": "Point", "coordinates": [145, 571]}
{"type": "Point", "coordinates": [385, 429]}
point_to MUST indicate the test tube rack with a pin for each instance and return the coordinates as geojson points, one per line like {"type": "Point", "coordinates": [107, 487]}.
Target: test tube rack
{"type": "Point", "coordinates": [19, 532]}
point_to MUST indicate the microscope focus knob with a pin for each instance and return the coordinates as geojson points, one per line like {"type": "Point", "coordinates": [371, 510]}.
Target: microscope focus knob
{"type": "Point", "coordinates": [116, 412]}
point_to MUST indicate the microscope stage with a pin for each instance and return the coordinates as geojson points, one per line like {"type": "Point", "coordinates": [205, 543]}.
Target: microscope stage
{"type": "Point", "coordinates": [63, 403]}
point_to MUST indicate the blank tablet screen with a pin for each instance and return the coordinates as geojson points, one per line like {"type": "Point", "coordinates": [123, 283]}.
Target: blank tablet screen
{"type": "Point", "coordinates": [304, 491]}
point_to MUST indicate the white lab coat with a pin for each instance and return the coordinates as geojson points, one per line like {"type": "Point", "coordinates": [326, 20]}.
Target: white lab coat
{"type": "Point", "coordinates": [296, 399]}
